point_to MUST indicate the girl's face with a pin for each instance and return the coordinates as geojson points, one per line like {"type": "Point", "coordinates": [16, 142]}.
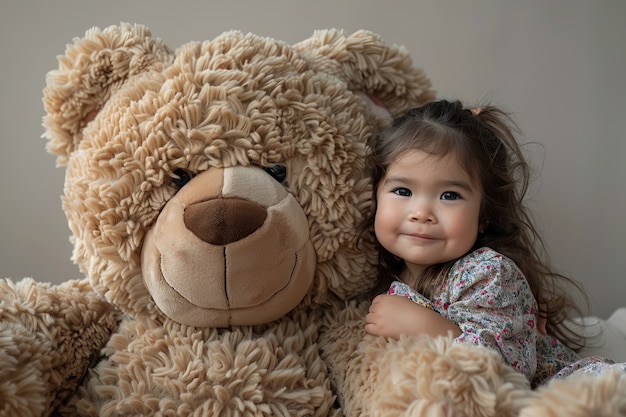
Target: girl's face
{"type": "Point", "coordinates": [428, 210]}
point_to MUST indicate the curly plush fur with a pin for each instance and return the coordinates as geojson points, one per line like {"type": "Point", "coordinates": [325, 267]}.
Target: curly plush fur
{"type": "Point", "coordinates": [214, 193]}
{"type": "Point", "coordinates": [581, 395]}
{"type": "Point", "coordinates": [49, 336]}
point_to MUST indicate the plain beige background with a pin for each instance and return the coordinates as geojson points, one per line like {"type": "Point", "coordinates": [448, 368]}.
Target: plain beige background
{"type": "Point", "coordinates": [560, 66]}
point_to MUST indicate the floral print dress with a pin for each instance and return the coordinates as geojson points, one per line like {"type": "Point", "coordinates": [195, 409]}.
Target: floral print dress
{"type": "Point", "coordinates": [488, 297]}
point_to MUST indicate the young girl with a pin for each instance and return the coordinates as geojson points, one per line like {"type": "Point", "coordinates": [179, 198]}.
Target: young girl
{"type": "Point", "coordinates": [457, 242]}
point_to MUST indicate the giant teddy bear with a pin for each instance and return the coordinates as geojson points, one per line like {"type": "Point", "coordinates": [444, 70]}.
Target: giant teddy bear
{"type": "Point", "coordinates": [214, 194]}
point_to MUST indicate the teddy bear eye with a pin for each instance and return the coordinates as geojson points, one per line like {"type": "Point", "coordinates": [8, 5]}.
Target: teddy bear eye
{"type": "Point", "coordinates": [181, 178]}
{"type": "Point", "coordinates": [278, 172]}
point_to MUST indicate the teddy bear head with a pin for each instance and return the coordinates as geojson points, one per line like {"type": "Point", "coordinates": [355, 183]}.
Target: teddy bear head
{"type": "Point", "coordinates": [222, 183]}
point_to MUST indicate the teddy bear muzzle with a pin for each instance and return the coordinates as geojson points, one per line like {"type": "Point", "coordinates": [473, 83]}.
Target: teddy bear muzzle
{"type": "Point", "coordinates": [232, 247]}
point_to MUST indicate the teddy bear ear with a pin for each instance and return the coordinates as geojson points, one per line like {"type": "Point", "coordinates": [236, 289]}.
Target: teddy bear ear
{"type": "Point", "coordinates": [89, 72]}
{"type": "Point", "coordinates": [368, 65]}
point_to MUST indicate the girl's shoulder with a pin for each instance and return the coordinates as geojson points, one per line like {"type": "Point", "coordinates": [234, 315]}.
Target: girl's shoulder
{"type": "Point", "coordinates": [486, 260]}
{"type": "Point", "coordinates": [484, 271]}
{"type": "Point", "coordinates": [483, 254]}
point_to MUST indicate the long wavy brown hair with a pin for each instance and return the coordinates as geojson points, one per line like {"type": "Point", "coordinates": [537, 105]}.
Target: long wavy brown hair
{"type": "Point", "coordinates": [484, 139]}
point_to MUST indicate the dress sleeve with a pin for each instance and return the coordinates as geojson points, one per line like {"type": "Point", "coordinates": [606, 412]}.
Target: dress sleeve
{"type": "Point", "coordinates": [490, 300]}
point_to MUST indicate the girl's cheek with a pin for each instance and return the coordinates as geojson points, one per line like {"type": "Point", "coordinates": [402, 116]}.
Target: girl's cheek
{"type": "Point", "coordinates": [380, 210]}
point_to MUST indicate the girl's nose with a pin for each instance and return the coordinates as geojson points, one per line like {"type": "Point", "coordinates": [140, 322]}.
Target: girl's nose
{"type": "Point", "coordinates": [421, 212]}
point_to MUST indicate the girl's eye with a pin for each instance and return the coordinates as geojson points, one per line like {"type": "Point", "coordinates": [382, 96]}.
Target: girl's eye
{"type": "Point", "coordinates": [181, 178]}
{"type": "Point", "coordinates": [450, 195]}
{"type": "Point", "coordinates": [403, 192]}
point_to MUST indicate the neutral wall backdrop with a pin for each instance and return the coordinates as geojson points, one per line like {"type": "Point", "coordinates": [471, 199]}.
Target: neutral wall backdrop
{"type": "Point", "coordinates": [560, 66]}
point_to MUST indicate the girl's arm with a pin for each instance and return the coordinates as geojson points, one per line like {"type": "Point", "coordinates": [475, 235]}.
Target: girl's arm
{"type": "Point", "coordinates": [392, 315]}
{"type": "Point", "coordinates": [490, 300]}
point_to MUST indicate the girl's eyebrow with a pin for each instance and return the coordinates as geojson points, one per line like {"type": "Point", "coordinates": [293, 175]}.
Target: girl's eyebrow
{"type": "Point", "coordinates": [441, 183]}
{"type": "Point", "coordinates": [396, 179]}
{"type": "Point", "coordinates": [457, 183]}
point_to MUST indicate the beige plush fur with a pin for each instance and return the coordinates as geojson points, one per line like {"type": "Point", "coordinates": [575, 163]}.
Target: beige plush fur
{"type": "Point", "coordinates": [581, 395]}
{"type": "Point", "coordinates": [49, 337]}
{"type": "Point", "coordinates": [214, 193]}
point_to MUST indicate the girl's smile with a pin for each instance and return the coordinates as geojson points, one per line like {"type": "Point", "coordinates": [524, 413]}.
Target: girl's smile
{"type": "Point", "coordinates": [420, 236]}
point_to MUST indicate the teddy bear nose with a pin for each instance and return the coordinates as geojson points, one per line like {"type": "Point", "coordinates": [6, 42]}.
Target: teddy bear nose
{"type": "Point", "coordinates": [224, 220]}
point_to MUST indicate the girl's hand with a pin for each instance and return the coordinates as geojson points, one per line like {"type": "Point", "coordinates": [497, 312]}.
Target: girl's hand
{"type": "Point", "coordinates": [393, 315]}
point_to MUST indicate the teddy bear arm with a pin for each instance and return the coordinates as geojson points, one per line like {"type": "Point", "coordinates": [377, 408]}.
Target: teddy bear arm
{"type": "Point", "coordinates": [49, 337]}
